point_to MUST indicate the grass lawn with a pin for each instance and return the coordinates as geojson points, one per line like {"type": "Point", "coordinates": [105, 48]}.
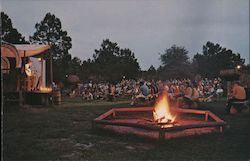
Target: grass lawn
{"type": "Point", "coordinates": [64, 133]}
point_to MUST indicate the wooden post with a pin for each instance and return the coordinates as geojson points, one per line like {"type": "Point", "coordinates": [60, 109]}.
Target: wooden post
{"type": "Point", "coordinates": [41, 78]}
{"type": "Point", "coordinates": [1, 94]}
{"type": "Point", "coordinates": [23, 85]}
{"type": "Point", "coordinates": [18, 81]}
{"type": "Point", "coordinates": [113, 114]}
{"type": "Point", "coordinates": [51, 68]}
{"type": "Point", "coordinates": [206, 116]}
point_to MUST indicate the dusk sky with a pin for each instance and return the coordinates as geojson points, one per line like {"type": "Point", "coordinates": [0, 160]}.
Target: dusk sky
{"type": "Point", "coordinates": [147, 27]}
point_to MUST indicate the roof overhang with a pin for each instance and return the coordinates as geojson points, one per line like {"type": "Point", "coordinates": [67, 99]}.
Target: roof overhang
{"type": "Point", "coordinates": [22, 50]}
{"type": "Point", "coordinates": [29, 50]}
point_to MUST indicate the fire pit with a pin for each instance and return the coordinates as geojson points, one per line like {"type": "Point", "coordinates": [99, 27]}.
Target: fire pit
{"type": "Point", "coordinates": [159, 122]}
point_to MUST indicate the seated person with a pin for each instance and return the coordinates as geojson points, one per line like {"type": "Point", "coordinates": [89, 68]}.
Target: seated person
{"type": "Point", "coordinates": [111, 94]}
{"type": "Point", "coordinates": [188, 91]}
{"type": "Point", "coordinates": [195, 94]}
{"type": "Point", "coordinates": [87, 95]}
{"type": "Point", "coordinates": [191, 95]}
{"type": "Point", "coordinates": [179, 96]}
{"type": "Point", "coordinates": [154, 88]}
{"type": "Point", "coordinates": [219, 91]}
{"type": "Point", "coordinates": [212, 93]}
{"type": "Point", "coordinates": [142, 93]}
{"type": "Point", "coordinates": [188, 95]}
{"type": "Point", "coordinates": [176, 93]}
{"type": "Point", "coordinates": [238, 95]}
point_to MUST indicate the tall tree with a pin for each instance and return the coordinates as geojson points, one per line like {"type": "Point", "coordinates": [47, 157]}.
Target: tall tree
{"type": "Point", "coordinates": [215, 58]}
{"type": "Point", "coordinates": [87, 70]}
{"type": "Point", "coordinates": [247, 68]}
{"type": "Point", "coordinates": [105, 60]}
{"type": "Point", "coordinates": [75, 66]}
{"type": "Point", "coordinates": [151, 73]}
{"type": "Point", "coordinates": [49, 31]}
{"type": "Point", "coordinates": [128, 63]}
{"type": "Point", "coordinates": [111, 62]}
{"type": "Point", "coordinates": [9, 33]}
{"type": "Point", "coordinates": [175, 63]}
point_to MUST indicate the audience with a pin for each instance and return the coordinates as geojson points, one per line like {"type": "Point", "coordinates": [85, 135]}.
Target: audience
{"type": "Point", "coordinates": [183, 90]}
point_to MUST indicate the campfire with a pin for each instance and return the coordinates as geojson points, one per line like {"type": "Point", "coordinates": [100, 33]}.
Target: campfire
{"type": "Point", "coordinates": [159, 122]}
{"type": "Point", "coordinates": [162, 112]}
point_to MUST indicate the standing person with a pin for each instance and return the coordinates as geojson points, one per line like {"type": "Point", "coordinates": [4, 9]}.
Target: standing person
{"type": "Point", "coordinates": [111, 92]}
{"type": "Point", "coordinates": [30, 76]}
{"type": "Point", "coordinates": [238, 95]}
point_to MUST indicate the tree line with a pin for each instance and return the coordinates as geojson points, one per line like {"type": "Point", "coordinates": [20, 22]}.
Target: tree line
{"type": "Point", "coordinates": [112, 63]}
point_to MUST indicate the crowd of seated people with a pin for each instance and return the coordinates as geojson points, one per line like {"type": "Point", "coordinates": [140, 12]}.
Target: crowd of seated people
{"type": "Point", "coordinates": [102, 91]}
{"type": "Point", "coordinates": [187, 92]}
{"type": "Point", "coordinates": [145, 91]}
{"type": "Point", "coordinates": [183, 90]}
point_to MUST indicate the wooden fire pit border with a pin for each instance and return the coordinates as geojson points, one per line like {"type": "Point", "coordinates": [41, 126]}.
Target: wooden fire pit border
{"type": "Point", "coordinates": [220, 124]}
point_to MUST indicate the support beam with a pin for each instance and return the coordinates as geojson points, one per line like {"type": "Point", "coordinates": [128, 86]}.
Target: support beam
{"type": "Point", "coordinates": [51, 68]}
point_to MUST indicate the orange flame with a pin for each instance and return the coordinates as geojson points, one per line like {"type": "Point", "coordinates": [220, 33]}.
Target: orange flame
{"type": "Point", "coordinates": [161, 112]}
